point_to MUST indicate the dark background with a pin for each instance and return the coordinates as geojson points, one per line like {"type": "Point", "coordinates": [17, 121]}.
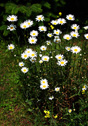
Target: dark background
{"type": "Point", "coordinates": [79, 8]}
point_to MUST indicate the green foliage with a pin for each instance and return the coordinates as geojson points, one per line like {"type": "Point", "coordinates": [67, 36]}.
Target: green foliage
{"type": "Point", "coordinates": [29, 10]}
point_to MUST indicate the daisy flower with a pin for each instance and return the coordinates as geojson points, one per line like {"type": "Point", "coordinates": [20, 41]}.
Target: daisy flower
{"type": "Point", "coordinates": [28, 51]}
{"type": "Point", "coordinates": [32, 40]}
{"type": "Point", "coordinates": [75, 49]}
{"type": "Point", "coordinates": [51, 97]}
{"type": "Point", "coordinates": [70, 17]}
{"type": "Point", "coordinates": [21, 64]}
{"type": "Point", "coordinates": [43, 48]}
{"type": "Point", "coordinates": [33, 54]}
{"type": "Point", "coordinates": [61, 21]}
{"type": "Point", "coordinates": [11, 27]}
{"type": "Point", "coordinates": [74, 34]}
{"type": "Point", "coordinates": [48, 42]}
{"type": "Point", "coordinates": [54, 22]}
{"type": "Point", "coordinates": [24, 56]}
{"type": "Point", "coordinates": [86, 27]}
{"type": "Point", "coordinates": [56, 37]}
{"type": "Point", "coordinates": [29, 23]}
{"type": "Point", "coordinates": [59, 57]}
{"type": "Point", "coordinates": [34, 33]}
{"type": "Point", "coordinates": [24, 69]}
{"type": "Point", "coordinates": [44, 86]}
{"type": "Point", "coordinates": [12, 18]}
{"type": "Point", "coordinates": [45, 58]}
{"type": "Point", "coordinates": [39, 18]}
{"type": "Point", "coordinates": [57, 32]}
{"type": "Point", "coordinates": [57, 40]}
{"type": "Point", "coordinates": [33, 60]}
{"type": "Point", "coordinates": [50, 35]}
{"type": "Point", "coordinates": [40, 61]}
{"type": "Point", "coordinates": [24, 25]}
{"type": "Point", "coordinates": [43, 81]}
{"type": "Point", "coordinates": [67, 37]}
{"type": "Point", "coordinates": [68, 48]}
{"type": "Point", "coordinates": [86, 36]}
{"type": "Point", "coordinates": [75, 26]}
{"type": "Point", "coordinates": [42, 28]}
{"type": "Point", "coordinates": [57, 89]}
{"type": "Point", "coordinates": [11, 47]}
{"type": "Point", "coordinates": [70, 110]}
{"type": "Point", "coordinates": [62, 62]}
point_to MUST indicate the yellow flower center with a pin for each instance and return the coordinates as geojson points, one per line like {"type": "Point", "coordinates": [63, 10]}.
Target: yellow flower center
{"type": "Point", "coordinates": [34, 34]}
{"type": "Point", "coordinates": [40, 61]}
{"type": "Point", "coordinates": [43, 81]}
{"type": "Point", "coordinates": [12, 19]}
{"type": "Point", "coordinates": [75, 50]}
{"type": "Point", "coordinates": [59, 57]}
{"type": "Point", "coordinates": [70, 17]}
{"type": "Point", "coordinates": [57, 41]}
{"type": "Point", "coordinates": [86, 36]}
{"type": "Point", "coordinates": [43, 48]}
{"type": "Point", "coordinates": [32, 40]}
{"type": "Point", "coordinates": [28, 51]}
{"type": "Point", "coordinates": [62, 62]}
{"type": "Point", "coordinates": [45, 58]}
{"type": "Point", "coordinates": [61, 22]}
{"type": "Point", "coordinates": [25, 55]}
{"type": "Point", "coordinates": [28, 23]}
{"type": "Point", "coordinates": [42, 28]}
{"type": "Point", "coordinates": [11, 27]}
{"type": "Point", "coordinates": [68, 49]}
{"type": "Point", "coordinates": [74, 35]}
{"type": "Point", "coordinates": [21, 64]}
{"type": "Point", "coordinates": [69, 110]}
{"type": "Point", "coordinates": [75, 27]}
{"type": "Point", "coordinates": [67, 38]}
{"type": "Point", "coordinates": [57, 89]}
{"type": "Point", "coordinates": [33, 54]}
{"type": "Point", "coordinates": [24, 26]}
{"type": "Point", "coordinates": [11, 47]}
{"type": "Point", "coordinates": [50, 35]}
{"type": "Point", "coordinates": [57, 32]}
{"type": "Point", "coordinates": [24, 70]}
{"type": "Point", "coordinates": [44, 86]}
{"type": "Point", "coordinates": [39, 18]}
{"type": "Point", "coordinates": [54, 23]}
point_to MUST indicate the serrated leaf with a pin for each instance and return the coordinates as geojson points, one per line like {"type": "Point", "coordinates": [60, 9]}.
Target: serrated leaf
{"type": "Point", "coordinates": [23, 9]}
{"type": "Point", "coordinates": [46, 4]}
{"type": "Point", "coordinates": [28, 13]}
{"type": "Point", "coordinates": [36, 8]}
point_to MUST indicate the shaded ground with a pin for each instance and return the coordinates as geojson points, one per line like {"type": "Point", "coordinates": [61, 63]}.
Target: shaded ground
{"type": "Point", "coordinates": [12, 109]}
